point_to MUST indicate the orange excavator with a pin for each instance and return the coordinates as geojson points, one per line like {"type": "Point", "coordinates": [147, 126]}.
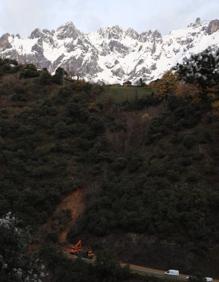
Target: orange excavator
{"type": "Point", "coordinates": [78, 251]}
{"type": "Point", "coordinates": [74, 249]}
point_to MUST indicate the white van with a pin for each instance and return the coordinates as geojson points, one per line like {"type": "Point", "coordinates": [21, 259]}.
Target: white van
{"type": "Point", "coordinates": [208, 279]}
{"type": "Point", "coordinates": [172, 272]}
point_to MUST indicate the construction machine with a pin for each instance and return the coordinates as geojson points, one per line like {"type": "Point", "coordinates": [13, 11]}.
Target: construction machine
{"type": "Point", "coordinates": [74, 249]}
{"type": "Point", "coordinates": [79, 251]}
{"type": "Point", "coordinates": [90, 254]}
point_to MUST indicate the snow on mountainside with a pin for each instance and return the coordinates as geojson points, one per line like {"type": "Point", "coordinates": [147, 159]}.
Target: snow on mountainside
{"type": "Point", "coordinates": [110, 55]}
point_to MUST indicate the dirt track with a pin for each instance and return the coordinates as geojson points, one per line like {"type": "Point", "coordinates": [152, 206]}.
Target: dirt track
{"type": "Point", "coordinates": [75, 204]}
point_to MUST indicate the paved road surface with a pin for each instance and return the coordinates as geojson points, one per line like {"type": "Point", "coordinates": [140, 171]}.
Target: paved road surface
{"type": "Point", "coordinates": [144, 271]}
{"type": "Point", "coordinates": [155, 272]}
{"type": "Point", "coordinates": [152, 272]}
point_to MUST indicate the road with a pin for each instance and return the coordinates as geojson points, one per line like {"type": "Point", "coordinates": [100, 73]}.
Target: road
{"type": "Point", "coordinates": [146, 271]}
{"type": "Point", "coordinates": [141, 270]}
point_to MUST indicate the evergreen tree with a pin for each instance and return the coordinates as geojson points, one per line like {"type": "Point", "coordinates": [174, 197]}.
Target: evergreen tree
{"type": "Point", "coordinates": [58, 78]}
{"type": "Point", "coordinates": [45, 77]}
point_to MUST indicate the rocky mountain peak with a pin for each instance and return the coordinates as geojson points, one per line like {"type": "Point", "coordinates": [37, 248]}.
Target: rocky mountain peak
{"type": "Point", "coordinates": [36, 33]}
{"type": "Point", "coordinates": [42, 35]}
{"type": "Point", "coordinates": [132, 33]}
{"type": "Point", "coordinates": [48, 32]}
{"type": "Point", "coordinates": [213, 26]}
{"type": "Point", "coordinates": [68, 30]}
{"type": "Point", "coordinates": [196, 23]}
{"type": "Point", "coordinates": [112, 32]}
{"type": "Point", "coordinates": [115, 29]}
{"type": "Point", "coordinates": [150, 36]}
{"type": "Point", "coordinates": [112, 54]}
{"type": "Point", "coordinates": [4, 42]}
{"type": "Point", "coordinates": [156, 34]}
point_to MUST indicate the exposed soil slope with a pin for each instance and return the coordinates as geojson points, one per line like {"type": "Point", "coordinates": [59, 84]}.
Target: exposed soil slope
{"type": "Point", "coordinates": [65, 216]}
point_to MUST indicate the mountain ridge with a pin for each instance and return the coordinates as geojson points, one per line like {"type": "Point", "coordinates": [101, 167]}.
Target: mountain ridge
{"type": "Point", "coordinates": [111, 54]}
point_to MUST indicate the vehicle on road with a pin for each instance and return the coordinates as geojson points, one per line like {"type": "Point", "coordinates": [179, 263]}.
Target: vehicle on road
{"type": "Point", "coordinates": [197, 278]}
{"type": "Point", "coordinates": [208, 279]}
{"type": "Point", "coordinates": [172, 272]}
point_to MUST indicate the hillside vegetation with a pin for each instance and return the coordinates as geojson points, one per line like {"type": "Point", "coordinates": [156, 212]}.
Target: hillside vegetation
{"type": "Point", "coordinates": [148, 162]}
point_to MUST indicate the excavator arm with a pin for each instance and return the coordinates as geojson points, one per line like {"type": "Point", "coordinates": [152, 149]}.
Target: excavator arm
{"type": "Point", "coordinates": [75, 249]}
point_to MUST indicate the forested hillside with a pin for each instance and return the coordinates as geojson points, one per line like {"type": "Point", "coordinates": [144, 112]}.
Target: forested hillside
{"type": "Point", "coordinates": [148, 162]}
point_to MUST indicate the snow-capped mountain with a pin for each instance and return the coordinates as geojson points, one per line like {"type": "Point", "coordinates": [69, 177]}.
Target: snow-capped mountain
{"type": "Point", "coordinates": [110, 55]}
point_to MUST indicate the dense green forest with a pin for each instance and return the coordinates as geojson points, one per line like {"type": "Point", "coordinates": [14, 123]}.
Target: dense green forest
{"type": "Point", "coordinates": [148, 161]}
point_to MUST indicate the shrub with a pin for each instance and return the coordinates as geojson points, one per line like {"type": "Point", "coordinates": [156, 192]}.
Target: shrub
{"type": "Point", "coordinates": [58, 77]}
{"type": "Point", "coordinates": [45, 77]}
{"type": "Point", "coordinates": [29, 71]}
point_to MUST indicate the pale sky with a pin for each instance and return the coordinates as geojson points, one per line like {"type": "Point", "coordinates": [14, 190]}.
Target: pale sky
{"type": "Point", "coordinates": [22, 16]}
